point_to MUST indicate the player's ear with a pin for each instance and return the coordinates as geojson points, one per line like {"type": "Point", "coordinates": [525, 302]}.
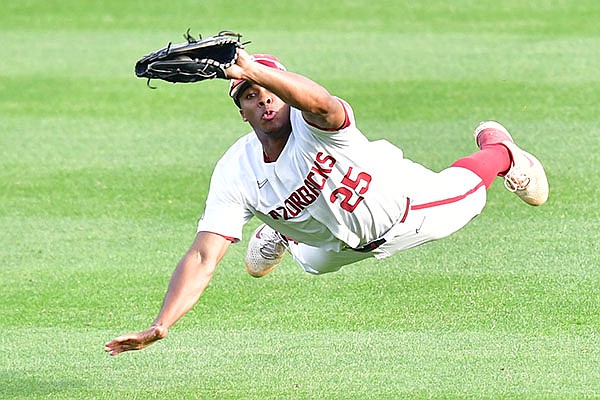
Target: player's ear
{"type": "Point", "coordinates": [243, 115]}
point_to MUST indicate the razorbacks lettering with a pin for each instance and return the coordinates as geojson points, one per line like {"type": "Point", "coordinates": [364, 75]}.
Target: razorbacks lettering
{"type": "Point", "coordinates": [308, 193]}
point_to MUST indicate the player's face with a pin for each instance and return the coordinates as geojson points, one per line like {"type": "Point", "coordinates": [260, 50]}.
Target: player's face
{"type": "Point", "coordinates": [264, 111]}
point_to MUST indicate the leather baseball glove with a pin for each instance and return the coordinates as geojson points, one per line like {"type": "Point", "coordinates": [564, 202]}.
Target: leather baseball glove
{"type": "Point", "coordinates": [194, 61]}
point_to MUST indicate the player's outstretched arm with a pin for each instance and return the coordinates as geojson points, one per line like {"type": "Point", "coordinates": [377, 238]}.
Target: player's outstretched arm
{"type": "Point", "coordinates": [188, 282]}
{"type": "Point", "coordinates": [318, 106]}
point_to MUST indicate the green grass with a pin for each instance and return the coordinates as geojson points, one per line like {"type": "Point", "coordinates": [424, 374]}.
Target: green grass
{"type": "Point", "coordinates": [102, 181]}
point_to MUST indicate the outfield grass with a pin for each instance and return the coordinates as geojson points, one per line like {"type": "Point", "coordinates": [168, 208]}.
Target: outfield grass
{"type": "Point", "coordinates": [102, 181]}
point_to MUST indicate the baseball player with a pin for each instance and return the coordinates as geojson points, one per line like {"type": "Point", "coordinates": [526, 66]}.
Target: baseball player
{"type": "Point", "coordinates": [323, 191]}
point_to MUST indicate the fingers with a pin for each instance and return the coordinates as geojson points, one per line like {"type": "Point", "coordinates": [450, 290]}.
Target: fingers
{"type": "Point", "coordinates": [123, 343]}
{"type": "Point", "coordinates": [243, 56]}
{"type": "Point", "coordinates": [236, 71]}
{"type": "Point", "coordinates": [135, 341]}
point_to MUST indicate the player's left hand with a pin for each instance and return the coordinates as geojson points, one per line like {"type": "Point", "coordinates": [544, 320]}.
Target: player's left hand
{"type": "Point", "coordinates": [136, 341]}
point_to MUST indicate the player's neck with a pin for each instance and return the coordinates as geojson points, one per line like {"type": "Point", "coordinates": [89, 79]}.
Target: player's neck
{"type": "Point", "coordinates": [273, 146]}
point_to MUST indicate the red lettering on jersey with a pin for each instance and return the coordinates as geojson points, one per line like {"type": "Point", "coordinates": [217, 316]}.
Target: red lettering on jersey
{"type": "Point", "coordinates": [295, 198]}
{"type": "Point", "coordinates": [274, 214]}
{"type": "Point", "coordinates": [310, 178]}
{"type": "Point", "coordinates": [315, 189]}
{"type": "Point", "coordinates": [325, 159]}
{"type": "Point", "coordinates": [319, 170]}
{"type": "Point", "coordinates": [307, 194]}
{"type": "Point", "coordinates": [293, 209]}
{"type": "Point", "coordinates": [284, 211]}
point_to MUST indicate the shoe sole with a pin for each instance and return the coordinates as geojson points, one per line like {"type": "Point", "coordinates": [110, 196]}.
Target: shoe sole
{"type": "Point", "coordinates": [535, 197]}
{"type": "Point", "coordinates": [536, 192]}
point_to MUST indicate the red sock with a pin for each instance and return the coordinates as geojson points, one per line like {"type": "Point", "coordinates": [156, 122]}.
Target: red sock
{"type": "Point", "coordinates": [488, 163]}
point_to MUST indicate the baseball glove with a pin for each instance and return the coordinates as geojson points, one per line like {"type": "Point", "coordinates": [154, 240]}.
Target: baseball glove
{"type": "Point", "coordinates": [194, 61]}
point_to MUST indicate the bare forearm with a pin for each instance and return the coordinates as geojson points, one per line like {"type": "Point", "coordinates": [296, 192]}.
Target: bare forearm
{"type": "Point", "coordinates": [188, 282]}
{"type": "Point", "coordinates": [318, 106]}
{"type": "Point", "coordinates": [296, 90]}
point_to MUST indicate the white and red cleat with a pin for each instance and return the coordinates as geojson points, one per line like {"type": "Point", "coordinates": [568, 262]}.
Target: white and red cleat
{"type": "Point", "coordinates": [266, 249]}
{"type": "Point", "coordinates": [526, 177]}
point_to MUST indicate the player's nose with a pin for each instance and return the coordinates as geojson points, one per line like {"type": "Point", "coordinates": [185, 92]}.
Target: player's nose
{"type": "Point", "coordinates": [265, 97]}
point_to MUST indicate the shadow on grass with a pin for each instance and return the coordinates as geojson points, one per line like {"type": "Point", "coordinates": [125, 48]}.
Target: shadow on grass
{"type": "Point", "coordinates": [16, 384]}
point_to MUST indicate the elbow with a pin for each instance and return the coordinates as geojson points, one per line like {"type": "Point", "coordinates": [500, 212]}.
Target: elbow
{"type": "Point", "coordinates": [326, 113]}
{"type": "Point", "coordinates": [325, 106]}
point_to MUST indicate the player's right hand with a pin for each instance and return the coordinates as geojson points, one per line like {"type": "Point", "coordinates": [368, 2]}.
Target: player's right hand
{"type": "Point", "coordinates": [136, 341]}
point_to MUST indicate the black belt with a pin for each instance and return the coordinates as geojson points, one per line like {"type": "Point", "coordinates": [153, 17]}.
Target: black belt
{"type": "Point", "coordinates": [378, 242]}
{"type": "Point", "coordinates": [370, 246]}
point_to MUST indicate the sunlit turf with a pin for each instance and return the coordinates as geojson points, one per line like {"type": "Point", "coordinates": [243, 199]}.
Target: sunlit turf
{"type": "Point", "coordinates": [102, 181]}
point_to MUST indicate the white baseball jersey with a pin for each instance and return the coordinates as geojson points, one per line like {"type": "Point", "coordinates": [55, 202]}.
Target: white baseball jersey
{"type": "Point", "coordinates": [331, 190]}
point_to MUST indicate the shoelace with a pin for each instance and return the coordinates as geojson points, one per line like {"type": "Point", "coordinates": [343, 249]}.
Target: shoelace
{"type": "Point", "coordinates": [516, 180]}
{"type": "Point", "coordinates": [273, 247]}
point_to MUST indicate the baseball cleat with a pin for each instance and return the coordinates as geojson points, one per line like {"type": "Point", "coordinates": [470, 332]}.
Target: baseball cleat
{"type": "Point", "coordinates": [526, 177]}
{"type": "Point", "coordinates": [265, 251]}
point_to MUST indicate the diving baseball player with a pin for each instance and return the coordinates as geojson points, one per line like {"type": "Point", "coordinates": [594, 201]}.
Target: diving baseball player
{"type": "Point", "coordinates": [325, 192]}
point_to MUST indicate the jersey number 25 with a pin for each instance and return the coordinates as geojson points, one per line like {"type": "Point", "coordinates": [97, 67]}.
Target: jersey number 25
{"type": "Point", "coordinates": [350, 194]}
